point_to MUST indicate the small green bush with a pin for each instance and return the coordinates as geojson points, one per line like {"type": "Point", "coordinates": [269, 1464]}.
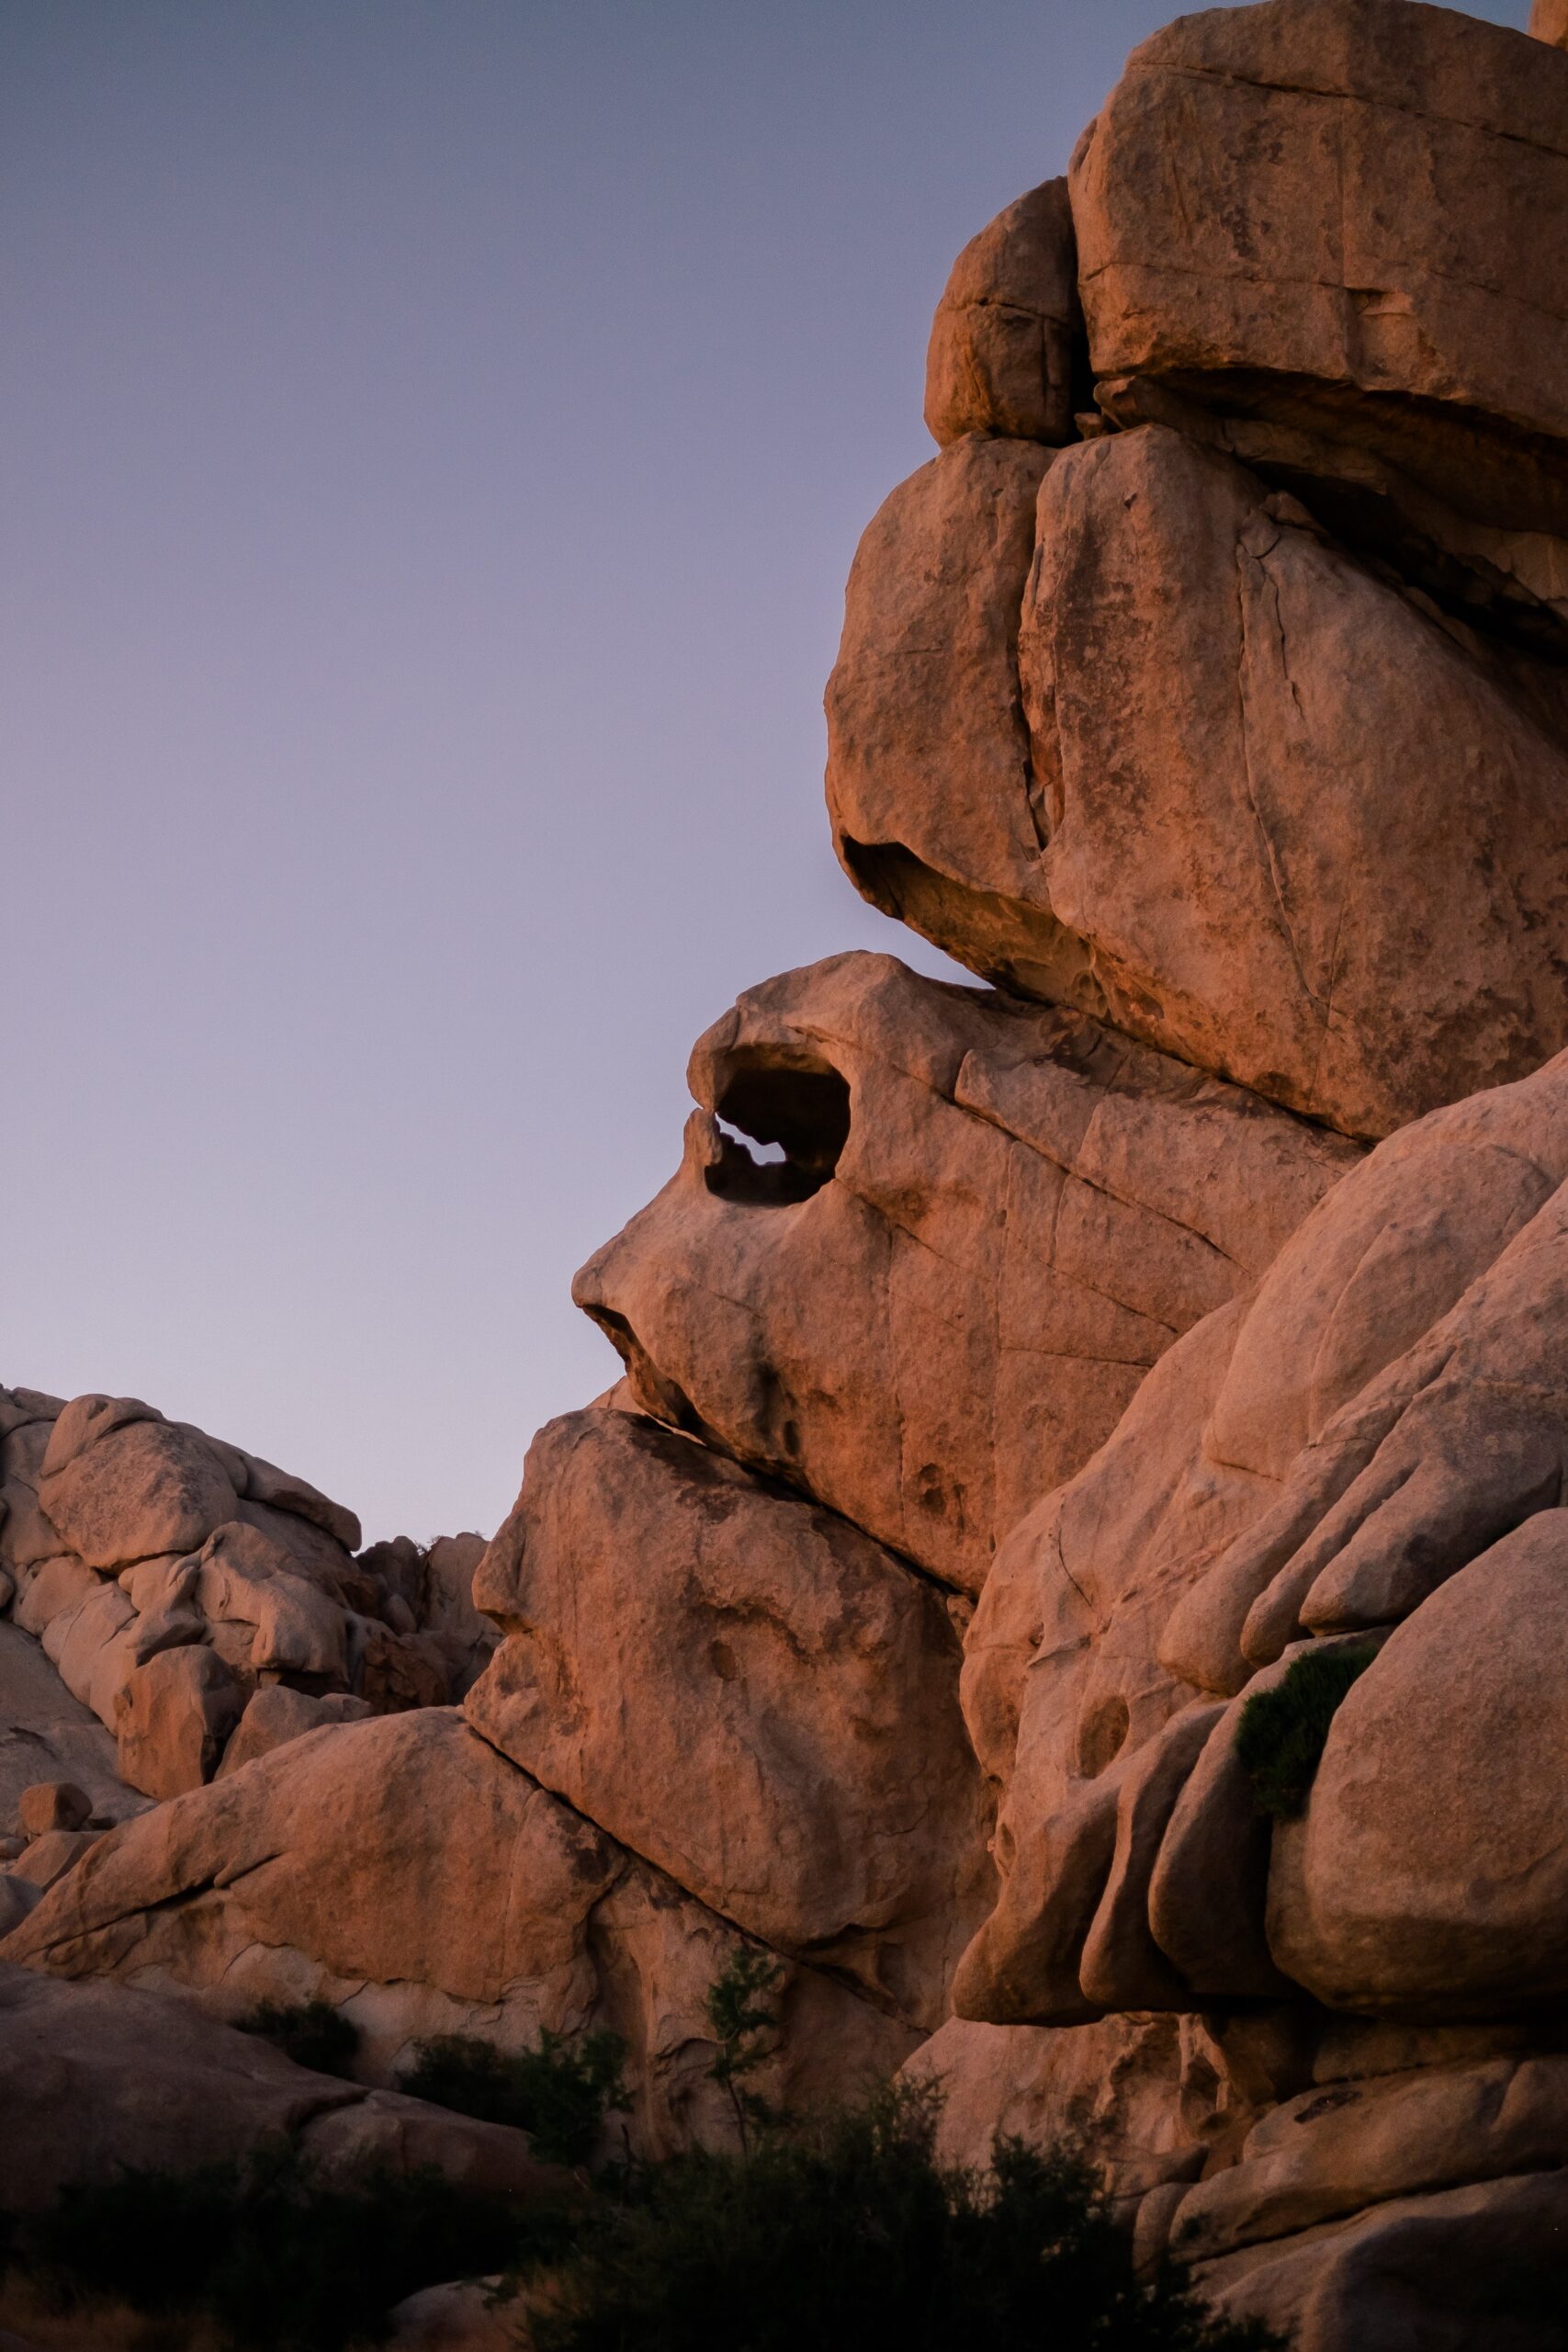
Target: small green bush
{"type": "Point", "coordinates": [277, 2258]}
{"type": "Point", "coordinates": [1280, 1737]}
{"type": "Point", "coordinates": [559, 2094]}
{"type": "Point", "coordinates": [310, 2033]}
{"type": "Point", "coordinates": [746, 2028]}
{"type": "Point", "coordinates": [852, 2234]}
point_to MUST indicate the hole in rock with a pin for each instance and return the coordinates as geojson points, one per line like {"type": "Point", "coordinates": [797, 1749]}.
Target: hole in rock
{"type": "Point", "coordinates": [782, 1128]}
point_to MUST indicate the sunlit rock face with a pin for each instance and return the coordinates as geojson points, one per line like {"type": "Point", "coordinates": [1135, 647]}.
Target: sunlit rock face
{"type": "Point", "coordinates": [1127, 727]}
{"type": "Point", "coordinates": [1345, 215]}
{"type": "Point", "coordinates": [1263, 760]}
{"type": "Point", "coordinates": [989, 1220]}
{"type": "Point", "coordinates": [1022, 1381]}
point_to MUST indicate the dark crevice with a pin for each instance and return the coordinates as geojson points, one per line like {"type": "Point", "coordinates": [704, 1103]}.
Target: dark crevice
{"type": "Point", "coordinates": [660, 1397]}
{"type": "Point", "coordinates": [1020, 948]}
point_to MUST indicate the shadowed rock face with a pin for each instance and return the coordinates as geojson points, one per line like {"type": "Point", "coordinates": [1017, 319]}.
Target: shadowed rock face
{"type": "Point", "coordinates": [945, 1298]}
{"type": "Point", "coordinates": [405, 1871]}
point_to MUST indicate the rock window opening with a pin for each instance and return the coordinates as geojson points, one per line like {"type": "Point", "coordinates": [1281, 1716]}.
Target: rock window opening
{"type": "Point", "coordinates": [782, 1128]}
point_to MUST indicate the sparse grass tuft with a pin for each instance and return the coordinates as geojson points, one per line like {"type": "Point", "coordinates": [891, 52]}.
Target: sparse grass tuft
{"type": "Point", "coordinates": [1280, 1737]}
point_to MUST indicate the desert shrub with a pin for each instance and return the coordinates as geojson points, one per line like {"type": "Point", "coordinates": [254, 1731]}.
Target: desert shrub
{"type": "Point", "coordinates": [559, 2094]}
{"type": "Point", "coordinates": [277, 2258]}
{"type": "Point", "coordinates": [747, 2030]}
{"type": "Point", "coordinates": [310, 2033]}
{"type": "Point", "coordinates": [1280, 1737]}
{"type": "Point", "coordinates": [851, 2234]}
{"type": "Point", "coordinates": [835, 2236]}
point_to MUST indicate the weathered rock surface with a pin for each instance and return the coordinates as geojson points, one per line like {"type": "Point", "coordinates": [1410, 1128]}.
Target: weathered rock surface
{"type": "Point", "coordinates": [168, 1576]}
{"type": "Point", "coordinates": [747, 1691]}
{"type": "Point", "coordinates": [1225, 712]}
{"type": "Point", "coordinates": [96, 2077]}
{"type": "Point", "coordinates": [276, 1714]}
{"type": "Point", "coordinates": [122, 1484]}
{"type": "Point", "coordinates": [1329, 2152]}
{"type": "Point", "coordinates": [48, 1858]}
{"type": "Point", "coordinates": [1206, 832]}
{"type": "Point", "coordinates": [1006, 351]}
{"type": "Point", "coordinates": [990, 1220]}
{"type": "Point", "coordinates": [1428, 1877]}
{"type": "Point", "coordinates": [402, 1869]}
{"type": "Point", "coordinates": [1386, 1404]}
{"type": "Point", "coordinates": [1463, 2270]}
{"type": "Point", "coordinates": [174, 1716]}
{"type": "Point", "coordinates": [929, 781]}
{"type": "Point", "coordinates": [46, 1736]}
{"type": "Point", "coordinates": [1348, 213]}
{"type": "Point", "coordinates": [1127, 2087]}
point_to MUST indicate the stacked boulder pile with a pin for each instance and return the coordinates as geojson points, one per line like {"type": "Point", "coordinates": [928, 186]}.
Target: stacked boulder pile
{"type": "Point", "coordinates": [1018, 1381]}
{"type": "Point", "coordinates": [171, 1606]}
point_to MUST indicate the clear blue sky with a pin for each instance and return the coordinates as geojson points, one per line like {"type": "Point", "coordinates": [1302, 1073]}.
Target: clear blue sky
{"type": "Point", "coordinates": [436, 436]}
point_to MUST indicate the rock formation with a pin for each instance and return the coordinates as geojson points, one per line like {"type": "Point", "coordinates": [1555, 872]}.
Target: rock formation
{"type": "Point", "coordinates": [1022, 1381]}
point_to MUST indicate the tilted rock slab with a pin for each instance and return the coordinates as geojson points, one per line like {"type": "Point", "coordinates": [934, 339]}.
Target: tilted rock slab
{"type": "Point", "coordinates": [404, 1870]}
{"type": "Point", "coordinates": [745, 1689]}
{"type": "Point", "coordinates": [99, 2078]}
{"type": "Point", "coordinates": [1452, 2268]}
{"type": "Point", "coordinates": [990, 1220]}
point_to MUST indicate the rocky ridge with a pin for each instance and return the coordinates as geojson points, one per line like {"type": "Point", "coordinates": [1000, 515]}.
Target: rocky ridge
{"type": "Point", "coordinates": [1019, 1381]}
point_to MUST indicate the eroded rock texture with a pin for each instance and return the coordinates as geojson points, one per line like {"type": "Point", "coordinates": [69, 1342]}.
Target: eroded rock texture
{"type": "Point", "coordinates": [746, 1690]}
{"type": "Point", "coordinates": [171, 1607]}
{"type": "Point", "coordinates": [1207, 694]}
{"type": "Point", "coordinates": [990, 1219]}
{"type": "Point", "coordinates": [1154, 751]}
{"type": "Point", "coordinates": [1349, 214]}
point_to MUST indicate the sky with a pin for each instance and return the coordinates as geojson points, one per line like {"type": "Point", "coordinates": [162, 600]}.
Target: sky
{"type": "Point", "coordinates": [437, 432]}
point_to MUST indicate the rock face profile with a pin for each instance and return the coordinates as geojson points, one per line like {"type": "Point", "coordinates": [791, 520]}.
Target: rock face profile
{"type": "Point", "coordinates": [1073, 1568]}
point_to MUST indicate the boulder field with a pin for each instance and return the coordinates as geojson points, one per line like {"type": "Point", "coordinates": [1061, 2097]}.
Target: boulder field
{"type": "Point", "coordinates": [1026, 1386]}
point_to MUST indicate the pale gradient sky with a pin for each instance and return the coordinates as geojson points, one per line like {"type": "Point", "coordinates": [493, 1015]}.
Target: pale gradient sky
{"type": "Point", "coordinates": [437, 433]}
